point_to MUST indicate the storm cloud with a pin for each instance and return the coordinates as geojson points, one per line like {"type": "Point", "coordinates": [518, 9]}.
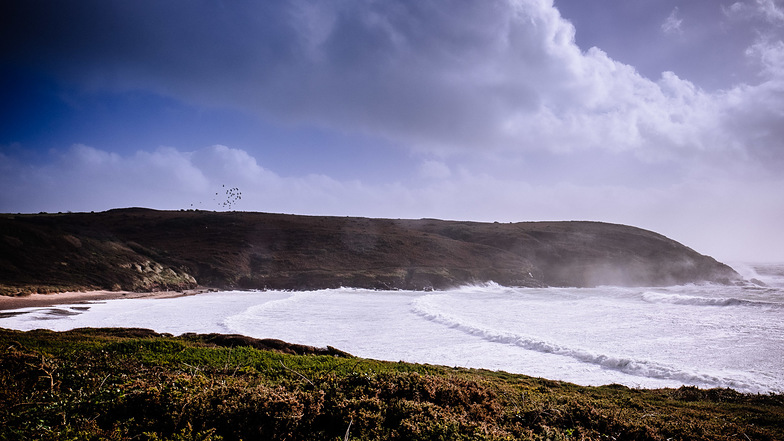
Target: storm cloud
{"type": "Point", "coordinates": [434, 75]}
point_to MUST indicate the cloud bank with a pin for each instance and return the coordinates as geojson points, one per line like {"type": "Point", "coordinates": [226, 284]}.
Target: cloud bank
{"type": "Point", "coordinates": [698, 213]}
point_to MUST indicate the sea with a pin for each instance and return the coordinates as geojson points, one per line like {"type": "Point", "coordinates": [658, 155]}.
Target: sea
{"type": "Point", "coordinates": [702, 335]}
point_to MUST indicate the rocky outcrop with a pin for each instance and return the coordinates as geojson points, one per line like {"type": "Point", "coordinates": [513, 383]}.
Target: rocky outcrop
{"type": "Point", "coordinates": [152, 276]}
{"type": "Point", "coordinates": [40, 253]}
{"type": "Point", "coordinates": [140, 249]}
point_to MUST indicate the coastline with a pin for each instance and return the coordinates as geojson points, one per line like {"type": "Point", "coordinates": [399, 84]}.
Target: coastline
{"type": "Point", "coordinates": [8, 303]}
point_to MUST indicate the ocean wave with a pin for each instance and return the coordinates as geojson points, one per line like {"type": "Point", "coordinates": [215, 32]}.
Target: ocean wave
{"type": "Point", "coordinates": [427, 308]}
{"type": "Point", "coordinates": [483, 288]}
{"type": "Point", "coordinates": [243, 322]}
{"type": "Point", "coordinates": [680, 299]}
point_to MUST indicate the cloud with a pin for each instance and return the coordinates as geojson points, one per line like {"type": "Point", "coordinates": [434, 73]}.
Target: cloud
{"type": "Point", "coordinates": [673, 24]}
{"type": "Point", "coordinates": [767, 9]}
{"type": "Point", "coordinates": [444, 76]}
{"type": "Point", "coordinates": [770, 55]}
{"type": "Point", "coordinates": [773, 12]}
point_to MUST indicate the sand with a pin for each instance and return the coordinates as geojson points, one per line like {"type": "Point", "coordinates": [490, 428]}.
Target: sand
{"type": "Point", "coordinates": [36, 300]}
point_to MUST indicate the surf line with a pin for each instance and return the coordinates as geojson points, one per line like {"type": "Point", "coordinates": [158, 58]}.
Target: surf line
{"type": "Point", "coordinates": [649, 369]}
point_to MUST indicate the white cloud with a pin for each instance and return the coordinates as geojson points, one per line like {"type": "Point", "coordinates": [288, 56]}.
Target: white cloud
{"type": "Point", "coordinates": [673, 24]}
{"type": "Point", "coordinates": [768, 10]}
{"type": "Point", "coordinates": [516, 83]}
{"type": "Point", "coordinates": [736, 9]}
{"type": "Point", "coordinates": [770, 55]}
{"type": "Point", "coordinates": [771, 11]}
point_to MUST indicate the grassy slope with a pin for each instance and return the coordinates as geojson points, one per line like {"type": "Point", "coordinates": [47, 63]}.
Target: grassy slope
{"type": "Point", "coordinates": [134, 384]}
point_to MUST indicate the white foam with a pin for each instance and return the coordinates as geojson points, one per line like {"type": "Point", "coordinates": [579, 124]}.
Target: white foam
{"type": "Point", "coordinates": [709, 336]}
{"type": "Point", "coordinates": [429, 310]}
{"type": "Point", "coordinates": [680, 299]}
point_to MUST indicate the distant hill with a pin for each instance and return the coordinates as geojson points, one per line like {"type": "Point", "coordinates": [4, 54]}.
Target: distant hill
{"type": "Point", "coordinates": [141, 249]}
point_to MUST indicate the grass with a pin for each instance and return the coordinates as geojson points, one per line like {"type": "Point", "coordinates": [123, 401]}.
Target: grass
{"type": "Point", "coordinates": [132, 384]}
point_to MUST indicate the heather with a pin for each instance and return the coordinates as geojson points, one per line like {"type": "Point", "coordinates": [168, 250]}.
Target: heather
{"type": "Point", "coordinates": [136, 384]}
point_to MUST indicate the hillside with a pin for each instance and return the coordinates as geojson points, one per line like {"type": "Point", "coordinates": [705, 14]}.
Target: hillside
{"type": "Point", "coordinates": [140, 249]}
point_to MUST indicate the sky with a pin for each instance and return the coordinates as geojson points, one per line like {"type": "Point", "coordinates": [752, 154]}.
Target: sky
{"type": "Point", "coordinates": [666, 115]}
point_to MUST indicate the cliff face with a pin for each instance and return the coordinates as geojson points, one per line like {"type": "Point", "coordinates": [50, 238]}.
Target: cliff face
{"type": "Point", "coordinates": [140, 249]}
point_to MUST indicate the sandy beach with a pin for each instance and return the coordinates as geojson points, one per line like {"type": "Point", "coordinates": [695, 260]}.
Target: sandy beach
{"type": "Point", "coordinates": [37, 300]}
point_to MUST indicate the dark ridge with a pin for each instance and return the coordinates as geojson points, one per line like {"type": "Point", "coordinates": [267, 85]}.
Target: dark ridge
{"type": "Point", "coordinates": [139, 249]}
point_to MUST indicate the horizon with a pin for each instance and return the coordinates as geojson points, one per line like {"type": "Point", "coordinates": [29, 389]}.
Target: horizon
{"type": "Point", "coordinates": [655, 114]}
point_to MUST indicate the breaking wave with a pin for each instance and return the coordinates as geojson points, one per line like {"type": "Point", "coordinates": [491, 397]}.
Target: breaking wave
{"type": "Point", "coordinates": [680, 299]}
{"type": "Point", "coordinates": [426, 308]}
{"type": "Point", "coordinates": [706, 336]}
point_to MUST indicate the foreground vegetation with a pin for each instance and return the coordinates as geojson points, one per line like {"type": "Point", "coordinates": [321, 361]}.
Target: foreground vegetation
{"type": "Point", "coordinates": [133, 384]}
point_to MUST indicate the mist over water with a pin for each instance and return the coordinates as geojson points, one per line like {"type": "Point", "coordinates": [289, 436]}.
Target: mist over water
{"type": "Point", "coordinates": [702, 335]}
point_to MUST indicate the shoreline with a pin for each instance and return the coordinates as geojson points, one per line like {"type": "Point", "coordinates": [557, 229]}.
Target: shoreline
{"type": "Point", "coordinates": [8, 303]}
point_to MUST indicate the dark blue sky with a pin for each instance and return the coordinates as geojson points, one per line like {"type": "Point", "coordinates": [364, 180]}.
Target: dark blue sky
{"type": "Point", "coordinates": [663, 114]}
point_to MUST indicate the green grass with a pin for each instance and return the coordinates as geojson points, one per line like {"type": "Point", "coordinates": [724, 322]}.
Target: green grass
{"type": "Point", "coordinates": [128, 384]}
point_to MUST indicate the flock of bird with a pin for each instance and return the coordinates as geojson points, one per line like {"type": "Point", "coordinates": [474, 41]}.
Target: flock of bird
{"type": "Point", "coordinates": [233, 195]}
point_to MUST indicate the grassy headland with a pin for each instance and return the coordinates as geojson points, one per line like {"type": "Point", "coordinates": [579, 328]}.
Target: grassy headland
{"type": "Point", "coordinates": [135, 384]}
{"type": "Point", "coordinates": [146, 250]}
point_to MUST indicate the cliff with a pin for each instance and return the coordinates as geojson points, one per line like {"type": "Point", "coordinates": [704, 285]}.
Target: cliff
{"type": "Point", "coordinates": [140, 249]}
